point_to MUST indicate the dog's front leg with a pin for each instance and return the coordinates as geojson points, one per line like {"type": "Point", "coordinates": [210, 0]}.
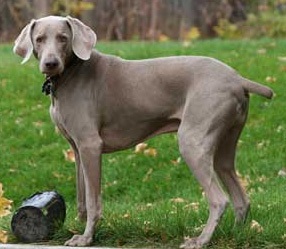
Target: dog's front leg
{"type": "Point", "coordinates": [81, 205]}
{"type": "Point", "coordinates": [80, 187]}
{"type": "Point", "coordinates": [90, 157]}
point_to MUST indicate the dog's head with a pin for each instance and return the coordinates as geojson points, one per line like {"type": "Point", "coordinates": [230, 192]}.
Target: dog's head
{"type": "Point", "coordinates": [54, 40]}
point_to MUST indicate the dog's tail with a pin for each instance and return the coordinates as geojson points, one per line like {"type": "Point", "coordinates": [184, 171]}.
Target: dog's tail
{"type": "Point", "coordinates": [257, 88]}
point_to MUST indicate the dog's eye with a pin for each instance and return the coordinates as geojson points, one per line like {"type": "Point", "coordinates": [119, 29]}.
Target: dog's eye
{"type": "Point", "coordinates": [62, 38]}
{"type": "Point", "coordinates": [39, 39]}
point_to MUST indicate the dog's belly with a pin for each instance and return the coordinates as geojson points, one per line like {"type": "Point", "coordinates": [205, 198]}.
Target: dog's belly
{"type": "Point", "coordinates": [121, 138]}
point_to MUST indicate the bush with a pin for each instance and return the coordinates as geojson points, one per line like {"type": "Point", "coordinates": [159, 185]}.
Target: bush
{"type": "Point", "coordinates": [265, 24]}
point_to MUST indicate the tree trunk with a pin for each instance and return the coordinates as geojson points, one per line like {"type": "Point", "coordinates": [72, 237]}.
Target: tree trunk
{"type": "Point", "coordinates": [14, 15]}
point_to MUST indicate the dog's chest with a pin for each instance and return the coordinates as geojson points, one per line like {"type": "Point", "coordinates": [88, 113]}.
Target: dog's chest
{"type": "Point", "coordinates": [54, 113]}
{"type": "Point", "coordinates": [57, 117]}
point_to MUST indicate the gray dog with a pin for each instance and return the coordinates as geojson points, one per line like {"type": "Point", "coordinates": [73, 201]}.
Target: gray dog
{"type": "Point", "coordinates": [102, 104]}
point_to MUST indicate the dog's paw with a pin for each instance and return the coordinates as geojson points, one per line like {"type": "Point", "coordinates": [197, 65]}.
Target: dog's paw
{"type": "Point", "coordinates": [79, 240]}
{"type": "Point", "coordinates": [191, 243]}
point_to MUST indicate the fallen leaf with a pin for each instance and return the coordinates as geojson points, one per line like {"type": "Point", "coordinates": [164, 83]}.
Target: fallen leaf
{"type": "Point", "coordinates": [143, 148]}
{"type": "Point", "coordinates": [282, 58]}
{"type": "Point", "coordinates": [244, 180]}
{"type": "Point", "coordinates": [139, 148]}
{"type": "Point", "coordinates": [5, 204]}
{"type": "Point", "coordinates": [261, 51]}
{"type": "Point", "coordinates": [282, 172]}
{"type": "Point", "coordinates": [73, 231]}
{"type": "Point", "coordinates": [270, 79]}
{"type": "Point", "coordinates": [178, 200]}
{"type": "Point", "coordinates": [69, 155]}
{"type": "Point", "coordinates": [254, 225]}
{"type": "Point", "coordinates": [200, 228]}
{"type": "Point", "coordinates": [110, 184]}
{"type": "Point", "coordinates": [12, 170]}
{"type": "Point", "coordinates": [3, 237]}
{"type": "Point", "coordinates": [262, 144]}
{"type": "Point", "coordinates": [262, 178]}
{"type": "Point", "coordinates": [150, 152]}
{"type": "Point", "coordinates": [126, 216]}
{"type": "Point", "coordinates": [177, 161]}
{"type": "Point", "coordinates": [58, 175]}
{"type": "Point", "coordinates": [194, 206]}
{"type": "Point", "coordinates": [38, 124]}
{"type": "Point", "coordinates": [279, 129]}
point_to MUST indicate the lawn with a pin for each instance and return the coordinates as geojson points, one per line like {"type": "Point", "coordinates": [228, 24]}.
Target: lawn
{"type": "Point", "coordinates": [151, 201]}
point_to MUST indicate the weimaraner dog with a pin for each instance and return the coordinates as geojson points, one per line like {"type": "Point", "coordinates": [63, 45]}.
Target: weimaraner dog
{"type": "Point", "coordinates": [102, 103]}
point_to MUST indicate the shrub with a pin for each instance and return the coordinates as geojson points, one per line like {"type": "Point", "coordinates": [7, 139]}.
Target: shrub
{"type": "Point", "coordinates": [265, 24]}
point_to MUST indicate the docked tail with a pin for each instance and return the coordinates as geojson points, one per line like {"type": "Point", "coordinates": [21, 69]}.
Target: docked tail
{"type": "Point", "coordinates": [259, 89]}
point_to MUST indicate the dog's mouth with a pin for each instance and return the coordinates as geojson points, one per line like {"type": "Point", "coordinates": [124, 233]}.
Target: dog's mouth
{"type": "Point", "coordinates": [51, 72]}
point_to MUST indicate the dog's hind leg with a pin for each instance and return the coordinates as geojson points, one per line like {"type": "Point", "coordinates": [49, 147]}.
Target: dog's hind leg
{"type": "Point", "coordinates": [198, 153]}
{"type": "Point", "coordinates": [225, 168]}
{"type": "Point", "coordinates": [205, 123]}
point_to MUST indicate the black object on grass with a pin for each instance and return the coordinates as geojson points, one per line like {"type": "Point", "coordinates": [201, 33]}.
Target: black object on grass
{"type": "Point", "coordinates": [39, 217]}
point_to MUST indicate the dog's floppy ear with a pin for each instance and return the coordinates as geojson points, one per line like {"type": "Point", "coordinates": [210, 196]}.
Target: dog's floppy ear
{"type": "Point", "coordinates": [23, 44]}
{"type": "Point", "coordinates": [83, 39]}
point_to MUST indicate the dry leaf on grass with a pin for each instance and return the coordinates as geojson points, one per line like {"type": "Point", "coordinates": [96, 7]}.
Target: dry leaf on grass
{"type": "Point", "coordinates": [193, 206]}
{"type": "Point", "coordinates": [5, 204]}
{"type": "Point", "coordinates": [143, 148]}
{"type": "Point", "coordinates": [178, 200]}
{"type": "Point", "coordinates": [279, 129]}
{"type": "Point", "coordinates": [177, 161]}
{"type": "Point", "coordinates": [139, 148]}
{"type": "Point", "coordinates": [261, 51]}
{"type": "Point", "coordinates": [282, 58]}
{"type": "Point", "coordinates": [282, 172]}
{"type": "Point", "coordinates": [254, 225]}
{"type": "Point", "coordinates": [270, 79]}
{"type": "Point", "coordinates": [244, 180]}
{"type": "Point", "coordinates": [126, 216]}
{"type": "Point", "coordinates": [3, 237]}
{"type": "Point", "coordinates": [69, 155]}
{"type": "Point", "coordinates": [150, 152]}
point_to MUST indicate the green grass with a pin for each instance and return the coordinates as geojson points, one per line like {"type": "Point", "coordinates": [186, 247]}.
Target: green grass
{"type": "Point", "coordinates": [137, 189]}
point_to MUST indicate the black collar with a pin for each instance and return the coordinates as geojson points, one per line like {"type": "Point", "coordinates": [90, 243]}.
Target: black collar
{"type": "Point", "coordinates": [49, 86]}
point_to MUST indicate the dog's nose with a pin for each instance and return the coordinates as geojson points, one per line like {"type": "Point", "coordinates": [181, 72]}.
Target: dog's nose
{"type": "Point", "coordinates": [52, 64]}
